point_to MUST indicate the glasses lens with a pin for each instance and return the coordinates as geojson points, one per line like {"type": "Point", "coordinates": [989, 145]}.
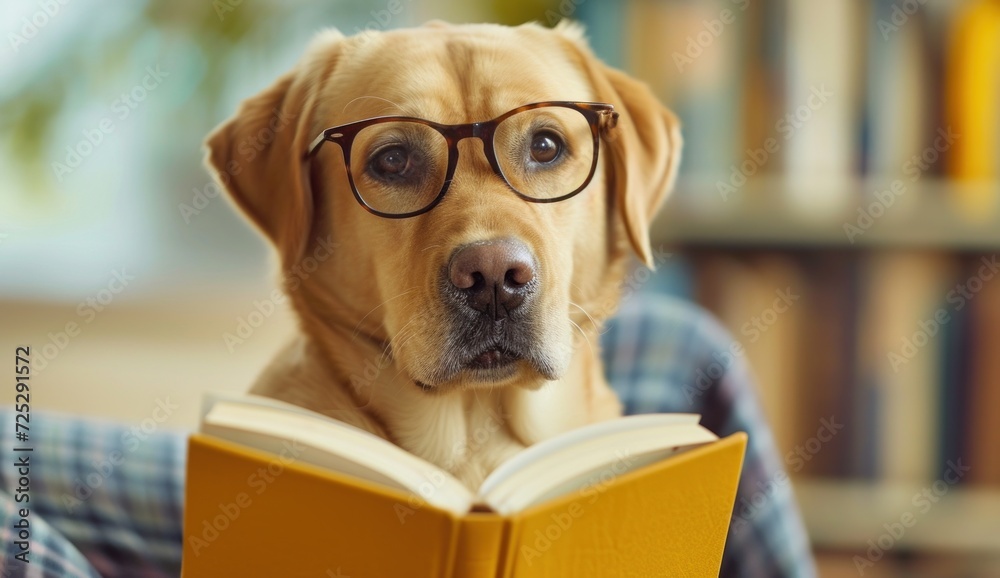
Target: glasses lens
{"type": "Point", "coordinates": [546, 152]}
{"type": "Point", "coordinates": [399, 167]}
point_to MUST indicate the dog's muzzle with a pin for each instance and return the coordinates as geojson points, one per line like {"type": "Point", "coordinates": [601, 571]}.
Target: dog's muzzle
{"type": "Point", "coordinates": [491, 289]}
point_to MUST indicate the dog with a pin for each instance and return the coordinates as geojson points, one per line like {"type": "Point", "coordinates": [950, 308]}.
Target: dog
{"type": "Point", "coordinates": [466, 331]}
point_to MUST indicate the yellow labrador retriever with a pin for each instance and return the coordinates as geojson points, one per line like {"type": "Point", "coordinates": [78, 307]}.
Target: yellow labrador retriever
{"type": "Point", "coordinates": [482, 187]}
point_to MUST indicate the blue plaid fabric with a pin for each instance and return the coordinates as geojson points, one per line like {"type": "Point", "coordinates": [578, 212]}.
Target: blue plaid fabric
{"type": "Point", "coordinates": [106, 500]}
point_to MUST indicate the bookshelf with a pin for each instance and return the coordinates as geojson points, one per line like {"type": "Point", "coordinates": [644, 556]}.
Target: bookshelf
{"type": "Point", "coordinates": [926, 216]}
{"type": "Point", "coordinates": [842, 513]}
{"type": "Point", "coordinates": [965, 521]}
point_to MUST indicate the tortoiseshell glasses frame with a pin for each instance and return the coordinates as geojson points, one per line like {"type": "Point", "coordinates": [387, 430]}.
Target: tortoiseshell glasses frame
{"type": "Point", "coordinates": [601, 117]}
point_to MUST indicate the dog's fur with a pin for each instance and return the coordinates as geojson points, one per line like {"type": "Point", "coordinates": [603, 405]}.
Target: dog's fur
{"type": "Point", "coordinates": [374, 333]}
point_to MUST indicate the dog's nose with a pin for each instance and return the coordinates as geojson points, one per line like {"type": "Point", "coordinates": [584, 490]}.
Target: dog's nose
{"type": "Point", "coordinates": [496, 276]}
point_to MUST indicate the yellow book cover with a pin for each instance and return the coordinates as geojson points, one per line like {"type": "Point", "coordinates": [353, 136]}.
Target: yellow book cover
{"type": "Point", "coordinates": [275, 512]}
{"type": "Point", "coordinates": [972, 90]}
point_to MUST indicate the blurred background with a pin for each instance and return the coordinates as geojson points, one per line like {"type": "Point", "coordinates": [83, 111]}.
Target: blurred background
{"type": "Point", "coordinates": [837, 209]}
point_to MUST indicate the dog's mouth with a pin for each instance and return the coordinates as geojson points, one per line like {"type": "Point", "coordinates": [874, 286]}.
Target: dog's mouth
{"type": "Point", "coordinates": [492, 364]}
{"type": "Point", "coordinates": [494, 358]}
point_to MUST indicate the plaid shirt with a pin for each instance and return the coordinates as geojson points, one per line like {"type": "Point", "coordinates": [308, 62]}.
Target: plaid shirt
{"type": "Point", "coordinates": [106, 499]}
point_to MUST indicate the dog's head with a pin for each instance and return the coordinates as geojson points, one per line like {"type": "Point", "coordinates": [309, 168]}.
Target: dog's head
{"type": "Point", "coordinates": [485, 287]}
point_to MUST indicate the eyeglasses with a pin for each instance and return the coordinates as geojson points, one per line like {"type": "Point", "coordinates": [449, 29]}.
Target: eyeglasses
{"type": "Point", "coordinates": [401, 166]}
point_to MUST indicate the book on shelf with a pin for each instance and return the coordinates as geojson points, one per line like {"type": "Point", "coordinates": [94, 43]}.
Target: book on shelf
{"type": "Point", "coordinates": [687, 52]}
{"type": "Point", "coordinates": [904, 310]}
{"type": "Point", "coordinates": [827, 379]}
{"type": "Point", "coordinates": [758, 300]}
{"type": "Point", "coordinates": [823, 103]}
{"type": "Point", "coordinates": [972, 91]}
{"type": "Point", "coordinates": [982, 397]}
{"type": "Point", "coordinates": [961, 354]}
{"type": "Point", "coordinates": [277, 490]}
{"type": "Point", "coordinates": [899, 94]}
{"type": "Point", "coordinates": [762, 107]}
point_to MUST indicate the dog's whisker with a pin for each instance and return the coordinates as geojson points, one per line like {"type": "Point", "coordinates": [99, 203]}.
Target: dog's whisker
{"type": "Point", "coordinates": [585, 313]}
{"type": "Point", "coordinates": [385, 354]}
{"type": "Point", "coordinates": [354, 335]}
{"type": "Point", "coordinates": [401, 369]}
{"type": "Point", "coordinates": [400, 342]}
{"type": "Point", "coordinates": [584, 334]}
{"type": "Point", "coordinates": [352, 101]}
{"type": "Point", "coordinates": [603, 330]}
{"type": "Point", "coordinates": [406, 326]}
{"type": "Point", "coordinates": [479, 402]}
{"type": "Point", "coordinates": [397, 340]}
{"type": "Point", "coordinates": [388, 352]}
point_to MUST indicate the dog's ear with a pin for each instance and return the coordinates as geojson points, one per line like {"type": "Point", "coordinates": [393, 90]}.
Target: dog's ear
{"type": "Point", "coordinates": [257, 154]}
{"type": "Point", "coordinates": [645, 146]}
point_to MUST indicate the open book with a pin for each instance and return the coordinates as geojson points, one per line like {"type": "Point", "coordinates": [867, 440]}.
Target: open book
{"type": "Point", "coordinates": [276, 490]}
{"type": "Point", "coordinates": [552, 468]}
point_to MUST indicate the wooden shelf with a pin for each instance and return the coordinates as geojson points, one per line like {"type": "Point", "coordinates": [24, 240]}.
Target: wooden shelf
{"type": "Point", "coordinates": [846, 514]}
{"type": "Point", "coordinates": [928, 215]}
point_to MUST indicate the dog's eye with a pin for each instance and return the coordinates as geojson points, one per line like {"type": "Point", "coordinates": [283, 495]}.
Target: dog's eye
{"type": "Point", "coordinates": [390, 162]}
{"type": "Point", "coordinates": [545, 147]}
